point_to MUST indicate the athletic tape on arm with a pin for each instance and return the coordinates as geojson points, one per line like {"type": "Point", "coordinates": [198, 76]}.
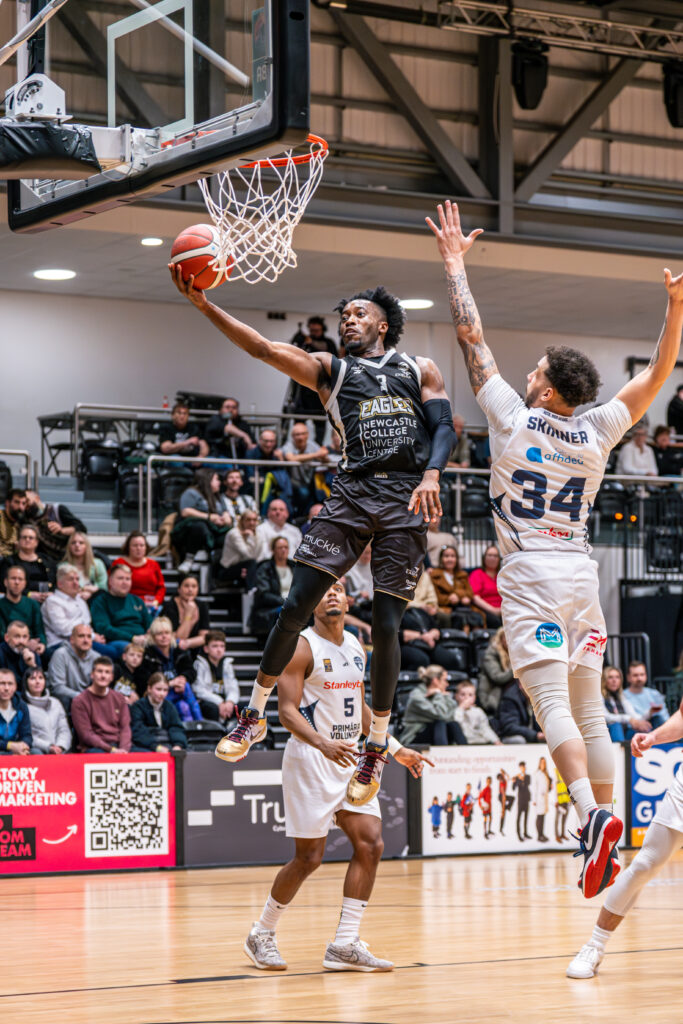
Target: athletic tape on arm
{"type": "Point", "coordinates": [440, 426]}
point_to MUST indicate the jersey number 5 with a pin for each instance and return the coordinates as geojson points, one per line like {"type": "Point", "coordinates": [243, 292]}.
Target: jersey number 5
{"type": "Point", "coordinates": [534, 486]}
{"type": "Point", "coordinates": [349, 706]}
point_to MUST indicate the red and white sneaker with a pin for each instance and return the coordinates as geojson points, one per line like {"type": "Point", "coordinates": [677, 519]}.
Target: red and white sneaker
{"type": "Point", "coordinates": [597, 840]}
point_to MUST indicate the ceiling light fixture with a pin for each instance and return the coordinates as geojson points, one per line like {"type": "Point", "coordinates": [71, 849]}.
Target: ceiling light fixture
{"type": "Point", "coordinates": [151, 241]}
{"type": "Point", "coordinates": [54, 275]}
{"type": "Point", "coordinates": [416, 303]}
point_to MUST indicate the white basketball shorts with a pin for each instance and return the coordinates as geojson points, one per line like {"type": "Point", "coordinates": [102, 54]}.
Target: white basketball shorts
{"type": "Point", "coordinates": [314, 789]}
{"type": "Point", "coordinates": [551, 609]}
{"type": "Point", "coordinates": [670, 810]}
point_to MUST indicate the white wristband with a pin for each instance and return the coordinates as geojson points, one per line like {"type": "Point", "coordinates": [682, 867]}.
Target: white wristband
{"type": "Point", "coordinates": [393, 745]}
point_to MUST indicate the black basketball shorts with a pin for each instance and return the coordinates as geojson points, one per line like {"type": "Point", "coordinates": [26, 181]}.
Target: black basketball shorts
{"type": "Point", "coordinates": [370, 508]}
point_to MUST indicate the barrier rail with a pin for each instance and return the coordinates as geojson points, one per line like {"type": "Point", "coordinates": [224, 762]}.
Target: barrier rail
{"type": "Point", "coordinates": [22, 454]}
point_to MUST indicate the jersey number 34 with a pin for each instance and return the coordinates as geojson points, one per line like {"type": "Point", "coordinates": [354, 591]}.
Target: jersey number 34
{"type": "Point", "coordinates": [534, 487]}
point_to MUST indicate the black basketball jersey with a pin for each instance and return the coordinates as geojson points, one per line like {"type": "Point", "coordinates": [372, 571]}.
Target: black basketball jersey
{"type": "Point", "coordinates": [376, 406]}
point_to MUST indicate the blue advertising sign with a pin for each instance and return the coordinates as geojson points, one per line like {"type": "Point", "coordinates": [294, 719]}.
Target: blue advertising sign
{"type": "Point", "coordinates": [651, 776]}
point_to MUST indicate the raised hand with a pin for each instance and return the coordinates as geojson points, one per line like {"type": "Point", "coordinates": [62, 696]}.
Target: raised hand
{"type": "Point", "coordinates": [187, 288]}
{"type": "Point", "coordinates": [674, 285]}
{"type": "Point", "coordinates": [452, 242]}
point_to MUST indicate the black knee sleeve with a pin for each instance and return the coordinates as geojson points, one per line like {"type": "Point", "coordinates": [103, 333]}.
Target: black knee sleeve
{"type": "Point", "coordinates": [308, 587]}
{"type": "Point", "coordinates": [387, 612]}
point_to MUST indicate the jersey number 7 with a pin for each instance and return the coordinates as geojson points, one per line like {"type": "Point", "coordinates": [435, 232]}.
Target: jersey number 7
{"type": "Point", "coordinates": [534, 487]}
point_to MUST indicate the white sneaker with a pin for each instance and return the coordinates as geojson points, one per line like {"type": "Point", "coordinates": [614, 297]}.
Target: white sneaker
{"type": "Point", "coordinates": [261, 948]}
{"type": "Point", "coordinates": [586, 962]}
{"type": "Point", "coordinates": [186, 565]}
{"type": "Point", "coordinates": [353, 956]}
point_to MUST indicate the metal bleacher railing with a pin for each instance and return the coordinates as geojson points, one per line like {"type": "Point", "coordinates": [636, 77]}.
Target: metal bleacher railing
{"type": "Point", "coordinates": [20, 453]}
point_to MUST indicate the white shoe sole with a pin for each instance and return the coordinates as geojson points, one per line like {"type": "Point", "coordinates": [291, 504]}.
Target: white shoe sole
{"type": "Point", "coordinates": [581, 977]}
{"type": "Point", "coordinates": [262, 967]}
{"type": "Point", "coordinates": [334, 965]}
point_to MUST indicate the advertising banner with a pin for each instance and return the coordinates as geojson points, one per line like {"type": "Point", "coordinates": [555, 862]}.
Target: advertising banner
{"type": "Point", "coordinates": [234, 814]}
{"type": "Point", "coordinates": [500, 799]}
{"type": "Point", "coordinates": [651, 776]}
{"type": "Point", "coordinates": [86, 812]}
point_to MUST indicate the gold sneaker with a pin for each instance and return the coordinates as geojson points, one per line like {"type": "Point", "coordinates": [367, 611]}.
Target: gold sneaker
{"type": "Point", "coordinates": [365, 781]}
{"type": "Point", "coordinates": [249, 730]}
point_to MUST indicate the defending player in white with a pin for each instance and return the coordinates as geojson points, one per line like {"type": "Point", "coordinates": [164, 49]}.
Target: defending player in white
{"type": "Point", "coordinates": [322, 703]}
{"type": "Point", "coordinates": [547, 465]}
{"type": "Point", "coordinates": [663, 838]}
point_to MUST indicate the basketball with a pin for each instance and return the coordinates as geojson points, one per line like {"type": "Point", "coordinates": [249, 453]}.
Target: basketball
{"type": "Point", "coordinates": [196, 248]}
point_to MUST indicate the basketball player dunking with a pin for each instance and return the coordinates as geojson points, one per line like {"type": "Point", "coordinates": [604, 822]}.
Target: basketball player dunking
{"type": "Point", "coordinates": [321, 702]}
{"type": "Point", "coordinates": [394, 419]}
{"type": "Point", "coordinates": [547, 466]}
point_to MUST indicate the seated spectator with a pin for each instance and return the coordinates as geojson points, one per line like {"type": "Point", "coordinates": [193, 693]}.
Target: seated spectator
{"type": "Point", "coordinates": [64, 608]}
{"type": "Point", "coordinates": [10, 516]}
{"type": "Point", "coordinates": [71, 665]}
{"type": "Point", "coordinates": [420, 641]}
{"type": "Point", "coordinates": [100, 715]}
{"type": "Point", "coordinates": [92, 571]}
{"type": "Point", "coordinates": [668, 463]}
{"type": "Point", "coordinates": [273, 580]}
{"type": "Point", "coordinates": [15, 724]}
{"type": "Point", "coordinates": [162, 654]}
{"type": "Point", "coordinates": [117, 615]}
{"type": "Point", "coordinates": [620, 715]}
{"type": "Point", "coordinates": [315, 510]}
{"type": "Point", "coordinates": [495, 673]}
{"type": "Point", "coordinates": [15, 605]}
{"type": "Point", "coordinates": [437, 539]}
{"type": "Point", "coordinates": [180, 437]}
{"type": "Point", "coordinates": [304, 453]}
{"type": "Point", "coordinates": [460, 453]}
{"type": "Point", "coordinates": [203, 521]}
{"type": "Point", "coordinates": [636, 458]}
{"type": "Point", "coordinates": [485, 588]}
{"type": "Point", "coordinates": [242, 549]}
{"type": "Point", "coordinates": [424, 596]}
{"type": "Point", "coordinates": [125, 670]}
{"type": "Point", "coordinates": [516, 722]}
{"type": "Point", "coordinates": [274, 482]}
{"type": "Point", "coordinates": [49, 725]}
{"type": "Point", "coordinates": [55, 524]}
{"type": "Point", "coordinates": [471, 719]}
{"type": "Point", "coordinates": [189, 617]}
{"type": "Point", "coordinates": [454, 593]}
{"type": "Point", "coordinates": [236, 502]}
{"type": "Point", "coordinates": [215, 686]}
{"type": "Point", "coordinates": [147, 579]}
{"type": "Point", "coordinates": [302, 400]}
{"type": "Point", "coordinates": [155, 722]}
{"type": "Point", "coordinates": [646, 701]}
{"type": "Point", "coordinates": [227, 434]}
{"type": "Point", "coordinates": [15, 652]}
{"type": "Point", "coordinates": [40, 571]}
{"type": "Point", "coordinates": [360, 587]}
{"type": "Point", "coordinates": [276, 525]}
{"type": "Point", "coordinates": [429, 716]}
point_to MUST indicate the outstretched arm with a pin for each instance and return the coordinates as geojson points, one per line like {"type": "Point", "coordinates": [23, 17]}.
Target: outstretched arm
{"type": "Point", "coordinates": [453, 245]}
{"type": "Point", "coordinates": [313, 371]}
{"type": "Point", "coordinates": [640, 392]}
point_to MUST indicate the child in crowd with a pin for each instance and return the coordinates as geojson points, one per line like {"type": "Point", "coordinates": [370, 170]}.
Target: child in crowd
{"type": "Point", "coordinates": [216, 686]}
{"type": "Point", "coordinates": [124, 672]}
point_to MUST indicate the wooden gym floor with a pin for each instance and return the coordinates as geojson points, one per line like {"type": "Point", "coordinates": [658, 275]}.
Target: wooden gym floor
{"type": "Point", "coordinates": [480, 939]}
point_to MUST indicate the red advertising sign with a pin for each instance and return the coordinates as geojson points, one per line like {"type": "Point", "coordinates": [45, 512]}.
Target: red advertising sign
{"type": "Point", "coordinates": [86, 812]}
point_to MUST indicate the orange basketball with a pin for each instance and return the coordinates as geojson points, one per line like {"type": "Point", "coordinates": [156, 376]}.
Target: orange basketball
{"type": "Point", "coordinates": [196, 248]}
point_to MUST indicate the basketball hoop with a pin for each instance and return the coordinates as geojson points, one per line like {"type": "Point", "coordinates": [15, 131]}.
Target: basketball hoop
{"type": "Point", "coordinates": [257, 207]}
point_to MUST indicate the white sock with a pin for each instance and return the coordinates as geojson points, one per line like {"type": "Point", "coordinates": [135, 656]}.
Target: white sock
{"type": "Point", "coordinates": [271, 914]}
{"type": "Point", "coordinates": [599, 938]}
{"type": "Point", "coordinates": [582, 798]}
{"type": "Point", "coordinates": [348, 928]}
{"type": "Point", "coordinates": [259, 698]}
{"type": "Point", "coordinates": [378, 729]}
{"type": "Point", "coordinates": [606, 807]}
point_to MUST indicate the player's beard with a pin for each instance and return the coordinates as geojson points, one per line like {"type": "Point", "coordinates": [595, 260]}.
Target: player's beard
{"type": "Point", "coordinates": [333, 613]}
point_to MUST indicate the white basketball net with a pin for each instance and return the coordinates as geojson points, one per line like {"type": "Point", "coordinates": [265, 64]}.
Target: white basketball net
{"type": "Point", "coordinates": [256, 209]}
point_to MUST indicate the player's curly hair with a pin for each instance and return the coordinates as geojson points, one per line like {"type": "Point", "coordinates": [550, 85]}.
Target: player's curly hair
{"type": "Point", "coordinates": [572, 374]}
{"type": "Point", "coordinates": [393, 310]}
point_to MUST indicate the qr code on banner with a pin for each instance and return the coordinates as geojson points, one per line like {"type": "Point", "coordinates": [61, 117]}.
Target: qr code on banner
{"type": "Point", "coordinates": [126, 809]}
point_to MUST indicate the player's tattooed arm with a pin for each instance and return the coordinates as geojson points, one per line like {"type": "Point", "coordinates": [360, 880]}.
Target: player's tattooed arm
{"type": "Point", "coordinates": [453, 245]}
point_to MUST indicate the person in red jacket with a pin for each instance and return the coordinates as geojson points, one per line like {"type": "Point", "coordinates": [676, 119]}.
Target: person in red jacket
{"type": "Point", "coordinates": [484, 800]}
{"type": "Point", "coordinates": [148, 581]}
{"type": "Point", "coordinates": [100, 715]}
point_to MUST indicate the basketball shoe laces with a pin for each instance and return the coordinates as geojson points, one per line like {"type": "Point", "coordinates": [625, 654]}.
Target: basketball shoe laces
{"type": "Point", "coordinates": [368, 760]}
{"type": "Point", "coordinates": [240, 730]}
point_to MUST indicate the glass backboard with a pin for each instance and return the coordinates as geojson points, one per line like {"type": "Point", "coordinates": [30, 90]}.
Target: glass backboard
{"type": "Point", "coordinates": [172, 90]}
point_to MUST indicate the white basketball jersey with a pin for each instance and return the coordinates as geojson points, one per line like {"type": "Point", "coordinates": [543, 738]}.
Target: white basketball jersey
{"type": "Point", "coordinates": [546, 469]}
{"type": "Point", "coordinates": [332, 697]}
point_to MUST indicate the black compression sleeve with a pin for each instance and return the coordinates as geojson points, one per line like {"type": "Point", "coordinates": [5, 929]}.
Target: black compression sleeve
{"type": "Point", "coordinates": [440, 426]}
